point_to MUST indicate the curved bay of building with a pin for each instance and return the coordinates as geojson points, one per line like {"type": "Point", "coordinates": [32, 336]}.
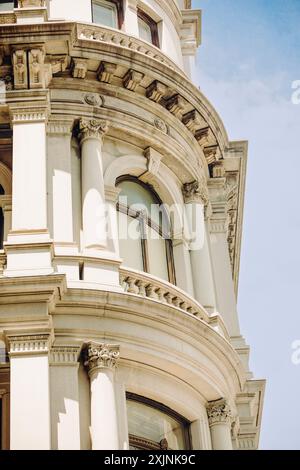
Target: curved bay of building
{"type": "Point", "coordinates": [111, 341]}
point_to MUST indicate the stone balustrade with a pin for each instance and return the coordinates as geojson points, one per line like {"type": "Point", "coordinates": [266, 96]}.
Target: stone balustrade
{"type": "Point", "coordinates": [118, 38]}
{"type": "Point", "coordinates": [144, 285]}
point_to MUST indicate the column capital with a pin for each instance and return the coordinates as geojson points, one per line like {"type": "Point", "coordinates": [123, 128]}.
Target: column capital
{"type": "Point", "coordinates": [60, 127]}
{"type": "Point", "coordinates": [101, 356]}
{"type": "Point", "coordinates": [196, 192]}
{"type": "Point", "coordinates": [20, 113]}
{"type": "Point", "coordinates": [92, 129]}
{"type": "Point", "coordinates": [219, 412]}
{"type": "Point", "coordinates": [29, 344]}
{"type": "Point", "coordinates": [64, 355]}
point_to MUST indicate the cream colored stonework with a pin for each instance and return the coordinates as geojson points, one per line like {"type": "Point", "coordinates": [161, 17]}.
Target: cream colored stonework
{"type": "Point", "coordinates": [85, 105]}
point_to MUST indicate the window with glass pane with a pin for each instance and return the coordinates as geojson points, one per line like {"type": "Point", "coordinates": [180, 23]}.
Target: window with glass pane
{"type": "Point", "coordinates": [105, 13]}
{"type": "Point", "coordinates": [6, 6]}
{"type": "Point", "coordinates": [145, 32]}
{"type": "Point", "coordinates": [153, 426]}
{"type": "Point", "coordinates": [144, 230]}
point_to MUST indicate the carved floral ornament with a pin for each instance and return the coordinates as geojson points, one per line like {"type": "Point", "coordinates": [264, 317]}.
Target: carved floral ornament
{"type": "Point", "coordinates": [93, 128]}
{"type": "Point", "coordinates": [196, 191]}
{"type": "Point", "coordinates": [101, 356]}
{"type": "Point", "coordinates": [219, 412]}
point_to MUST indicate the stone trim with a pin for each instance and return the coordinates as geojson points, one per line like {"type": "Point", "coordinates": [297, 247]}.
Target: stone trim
{"type": "Point", "coordinates": [219, 412]}
{"type": "Point", "coordinates": [65, 355]}
{"type": "Point", "coordinates": [101, 356]}
{"type": "Point", "coordinates": [29, 344]}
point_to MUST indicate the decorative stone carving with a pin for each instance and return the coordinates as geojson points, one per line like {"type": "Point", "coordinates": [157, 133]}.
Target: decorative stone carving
{"type": "Point", "coordinates": [161, 126]}
{"type": "Point", "coordinates": [205, 137]}
{"type": "Point", "coordinates": [101, 356]}
{"type": "Point", "coordinates": [219, 412]}
{"type": "Point", "coordinates": [156, 91]}
{"type": "Point", "coordinates": [93, 128]}
{"type": "Point", "coordinates": [196, 191]}
{"type": "Point", "coordinates": [58, 63]}
{"type": "Point", "coordinates": [79, 68]}
{"type": "Point", "coordinates": [176, 105]}
{"type": "Point", "coordinates": [64, 355]}
{"type": "Point", "coordinates": [218, 170]}
{"type": "Point", "coordinates": [36, 59]}
{"type": "Point", "coordinates": [28, 344]}
{"type": "Point", "coordinates": [20, 69]}
{"type": "Point", "coordinates": [106, 72]}
{"type": "Point", "coordinates": [93, 100]}
{"type": "Point", "coordinates": [132, 80]}
{"type": "Point", "coordinates": [154, 160]}
{"type": "Point", "coordinates": [194, 121]}
{"type": "Point", "coordinates": [212, 154]}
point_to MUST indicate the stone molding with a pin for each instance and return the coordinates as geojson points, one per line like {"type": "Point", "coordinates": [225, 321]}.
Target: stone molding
{"type": "Point", "coordinates": [21, 114]}
{"type": "Point", "coordinates": [219, 412]}
{"type": "Point", "coordinates": [63, 127]}
{"type": "Point", "coordinates": [92, 129]}
{"type": "Point", "coordinates": [65, 355]}
{"type": "Point", "coordinates": [29, 344]}
{"type": "Point", "coordinates": [101, 356]}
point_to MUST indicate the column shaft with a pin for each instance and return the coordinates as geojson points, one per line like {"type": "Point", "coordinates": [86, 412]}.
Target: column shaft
{"type": "Point", "coordinates": [101, 362]}
{"type": "Point", "coordinates": [220, 419]}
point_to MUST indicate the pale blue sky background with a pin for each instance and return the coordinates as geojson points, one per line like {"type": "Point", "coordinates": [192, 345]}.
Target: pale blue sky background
{"type": "Point", "coordinates": [249, 57]}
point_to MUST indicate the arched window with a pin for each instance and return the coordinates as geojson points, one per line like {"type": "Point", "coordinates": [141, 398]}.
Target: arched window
{"type": "Point", "coordinates": [144, 230]}
{"type": "Point", "coordinates": [153, 426]}
{"type": "Point", "coordinates": [108, 13]}
{"type": "Point", "coordinates": [1, 220]}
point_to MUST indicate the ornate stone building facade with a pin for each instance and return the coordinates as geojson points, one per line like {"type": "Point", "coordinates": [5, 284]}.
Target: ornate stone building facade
{"type": "Point", "coordinates": [118, 323]}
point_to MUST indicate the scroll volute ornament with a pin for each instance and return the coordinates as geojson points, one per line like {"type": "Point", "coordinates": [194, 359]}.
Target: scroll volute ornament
{"type": "Point", "coordinates": [219, 412]}
{"type": "Point", "coordinates": [101, 356]}
{"type": "Point", "coordinates": [93, 128]}
{"type": "Point", "coordinates": [196, 191]}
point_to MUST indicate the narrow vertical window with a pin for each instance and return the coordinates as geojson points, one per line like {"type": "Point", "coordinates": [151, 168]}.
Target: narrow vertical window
{"type": "Point", "coordinates": [148, 29]}
{"type": "Point", "coordinates": [108, 13]}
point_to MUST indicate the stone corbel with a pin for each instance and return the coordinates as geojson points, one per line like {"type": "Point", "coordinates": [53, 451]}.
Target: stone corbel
{"type": "Point", "coordinates": [58, 63]}
{"type": "Point", "coordinates": [79, 68]}
{"type": "Point", "coordinates": [212, 154]}
{"type": "Point", "coordinates": [156, 91]}
{"type": "Point", "coordinates": [205, 137]}
{"type": "Point", "coordinates": [132, 80]}
{"type": "Point", "coordinates": [176, 105]}
{"type": "Point", "coordinates": [20, 68]}
{"type": "Point", "coordinates": [153, 164]}
{"type": "Point", "coordinates": [106, 72]}
{"type": "Point", "coordinates": [194, 121]}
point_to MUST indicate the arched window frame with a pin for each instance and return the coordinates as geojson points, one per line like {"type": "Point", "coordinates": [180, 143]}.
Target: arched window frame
{"type": "Point", "coordinates": [147, 221]}
{"type": "Point", "coordinates": [146, 444]}
{"type": "Point", "coordinates": [119, 5]}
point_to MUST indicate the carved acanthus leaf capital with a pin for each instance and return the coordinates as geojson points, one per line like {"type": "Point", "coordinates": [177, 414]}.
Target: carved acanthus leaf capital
{"type": "Point", "coordinates": [93, 128]}
{"type": "Point", "coordinates": [219, 412]}
{"type": "Point", "coordinates": [196, 191]}
{"type": "Point", "coordinates": [101, 356]}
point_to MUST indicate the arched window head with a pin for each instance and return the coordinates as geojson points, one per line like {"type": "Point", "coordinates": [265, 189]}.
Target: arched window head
{"type": "Point", "coordinates": [108, 13]}
{"type": "Point", "coordinates": [153, 426]}
{"type": "Point", "coordinates": [144, 230]}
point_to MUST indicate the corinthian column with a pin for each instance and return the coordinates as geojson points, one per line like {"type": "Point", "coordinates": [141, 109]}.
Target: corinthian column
{"type": "Point", "coordinates": [220, 419]}
{"type": "Point", "coordinates": [197, 200]}
{"type": "Point", "coordinates": [93, 196]}
{"type": "Point", "coordinates": [101, 362]}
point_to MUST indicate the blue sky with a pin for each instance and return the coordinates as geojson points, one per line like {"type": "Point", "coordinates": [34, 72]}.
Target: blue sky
{"type": "Point", "coordinates": [246, 65]}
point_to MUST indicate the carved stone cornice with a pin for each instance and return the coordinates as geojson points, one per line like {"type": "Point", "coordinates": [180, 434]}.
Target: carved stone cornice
{"type": "Point", "coordinates": [219, 412]}
{"type": "Point", "coordinates": [63, 127]}
{"type": "Point", "coordinates": [101, 356]}
{"type": "Point", "coordinates": [92, 129]}
{"type": "Point", "coordinates": [65, 355]}
{"type": "Point", "coordinates": [29, 344]}
{"type": "Point", "coordinates": [196, 191]}
{"type": "Point", "coordinates": [20, 113]}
